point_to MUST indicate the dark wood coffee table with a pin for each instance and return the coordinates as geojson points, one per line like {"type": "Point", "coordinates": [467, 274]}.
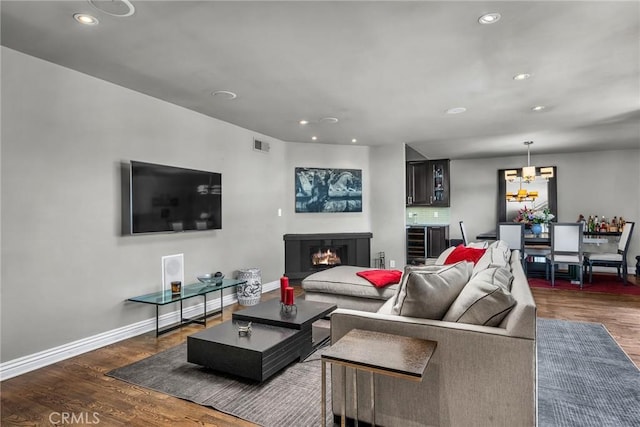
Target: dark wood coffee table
{"type": "Point", "coordinates": [276, 340]}
{"type": "Point", "coordinates": [300, 319]}
{"type": "Point", "coordinates": [257, 357]}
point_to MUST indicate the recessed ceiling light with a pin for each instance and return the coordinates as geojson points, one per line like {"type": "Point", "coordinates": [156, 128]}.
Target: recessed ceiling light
{"type": "Point", "coordinates": [224, 94]}
{"type": "Point", "coordinates": [85, 19]}
{"type": "Point", "coordinates": [456, 110]}
{"type": "Point", "coordinates": [354, 140]}
{"type": "Point", "coordinates": [315, 138]}
{"type": "Point", "coordinates": [304, 122]}
{"type": "Point", "coordinates": [489, 18]}
{"type": "Point", "coordinates": [522, 76]}
{"type": "Point", "coordinates": [329, 120]}
{"type": "Point", "coordinates": [538, 108]}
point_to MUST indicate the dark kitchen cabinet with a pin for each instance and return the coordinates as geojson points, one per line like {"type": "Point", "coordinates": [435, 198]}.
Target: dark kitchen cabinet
{"type": "Point", "coordinates": [437, 240]}
{"type": "Point", "coordinates": [428, 183]}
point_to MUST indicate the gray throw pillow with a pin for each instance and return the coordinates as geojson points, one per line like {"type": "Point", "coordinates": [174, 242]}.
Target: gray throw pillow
{"type": "Point", "coordinates": [485, 300]}
{"type": "Point", "coordinates": [408, 269]}
{"type": "Point", "coordinates": [428, 292]}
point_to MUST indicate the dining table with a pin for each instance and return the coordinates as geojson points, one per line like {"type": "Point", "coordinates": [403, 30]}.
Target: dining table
{"type": "Point", "coordinates": [544, 239]}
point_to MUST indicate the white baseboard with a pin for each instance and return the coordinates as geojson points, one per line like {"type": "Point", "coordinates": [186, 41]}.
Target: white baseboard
{"type": "Point", "coordinates": [22, 365]}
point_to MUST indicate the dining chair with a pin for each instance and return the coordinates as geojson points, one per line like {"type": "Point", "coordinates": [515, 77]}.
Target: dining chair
{"type": "Point", "coordinates": [566, 248]}
{"type": "Point", "coordinates": [463, 231]}
{"type": "Point", "coordinates": [513, 234]}
{"type": "Point", "coordinates": [612, 259]}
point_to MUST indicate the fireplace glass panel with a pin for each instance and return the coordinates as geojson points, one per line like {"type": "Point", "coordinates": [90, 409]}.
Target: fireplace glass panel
{"type": "Point", "coordinates": [327, 256]}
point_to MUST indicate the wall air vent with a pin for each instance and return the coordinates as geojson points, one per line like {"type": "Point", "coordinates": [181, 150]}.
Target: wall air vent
{"type": "Point", "coordinates": [260, 145]}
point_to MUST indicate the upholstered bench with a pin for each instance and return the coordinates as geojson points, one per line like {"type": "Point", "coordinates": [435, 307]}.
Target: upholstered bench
{"type": "Point", "coordinates": [342, 286]}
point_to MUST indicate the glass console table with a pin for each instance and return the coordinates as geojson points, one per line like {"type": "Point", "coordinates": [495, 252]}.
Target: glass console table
{"type": "Point", "coordinates": [189, 291]}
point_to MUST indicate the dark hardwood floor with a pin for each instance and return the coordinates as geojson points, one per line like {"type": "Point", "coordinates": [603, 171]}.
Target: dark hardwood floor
{"type": "Point", "coordinates": [78, 387]}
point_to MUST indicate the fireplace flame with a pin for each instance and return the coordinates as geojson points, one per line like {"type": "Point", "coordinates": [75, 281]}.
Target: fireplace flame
{"type": "Point", "coordinates": [326, 257]}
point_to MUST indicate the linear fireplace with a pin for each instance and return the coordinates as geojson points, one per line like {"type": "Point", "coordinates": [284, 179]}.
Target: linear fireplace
{"type": "Point", "coordinates": [327, 256]}
{"type": "Point", "coordinates": [305, 254]}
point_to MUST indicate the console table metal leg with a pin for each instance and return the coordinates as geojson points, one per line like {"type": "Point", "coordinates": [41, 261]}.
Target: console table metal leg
{"type": "Point", "coordinates": [343, 419]}
{"type": "Point", "coordinates": [204, 314]}
{"type": "Point", "coordinates": [157, 322]}
{"type": "Point", "coordinates": [373, 400]}
{"type": "Point", "coordinates": [355, 397]}
{"type": "Point", "coordinates": [323, 412]}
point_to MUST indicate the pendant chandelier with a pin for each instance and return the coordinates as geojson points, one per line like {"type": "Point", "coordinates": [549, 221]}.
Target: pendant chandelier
{"type": "Point", "coordinates": [528, 173]}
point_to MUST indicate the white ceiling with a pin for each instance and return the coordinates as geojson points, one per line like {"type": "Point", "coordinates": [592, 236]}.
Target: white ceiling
{"type": "Point", "coordinates": [387, 70]}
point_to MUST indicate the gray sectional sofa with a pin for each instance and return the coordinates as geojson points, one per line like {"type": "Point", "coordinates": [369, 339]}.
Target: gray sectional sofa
{"type": "Point", "coordinates": [479, 375]}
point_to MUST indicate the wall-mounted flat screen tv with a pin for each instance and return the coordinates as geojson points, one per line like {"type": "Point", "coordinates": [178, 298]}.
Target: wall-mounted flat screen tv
{"type": "Point", "coordinates": [170, 199]}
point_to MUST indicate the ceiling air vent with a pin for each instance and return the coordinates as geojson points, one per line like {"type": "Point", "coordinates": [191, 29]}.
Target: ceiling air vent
{"type": "Point", "coordinates": [260, 145]}
{"type": "Point", "coordinates": [119, 8]}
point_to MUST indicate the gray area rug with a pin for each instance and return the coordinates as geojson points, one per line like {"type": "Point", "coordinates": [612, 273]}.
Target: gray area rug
{"type": "Point", "coordinates": [290, 398]}
{"type": "Point", "coordinates": [584, 379]}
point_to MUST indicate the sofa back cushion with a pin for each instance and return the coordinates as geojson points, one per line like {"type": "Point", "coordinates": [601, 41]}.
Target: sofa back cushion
{"type": "Point", "coordinates": [485, 300]}
{"type": "Point", "coordinates": [496, 255]}
{"type": "Point", "coordinates": [427, 292]}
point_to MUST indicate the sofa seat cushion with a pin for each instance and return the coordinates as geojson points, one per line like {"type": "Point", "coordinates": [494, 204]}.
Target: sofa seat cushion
{"type": "Point", "coordinates": [343, 280]}
{"type": "Point", "coordinates": [427, 292]}
{"type": "Point", "coordinates": [485, 300]}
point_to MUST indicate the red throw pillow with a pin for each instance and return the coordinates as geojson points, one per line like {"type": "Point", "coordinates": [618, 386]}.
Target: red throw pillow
{"type": "Point", "coordinates": [464, 253]}
{"type": "Point", "coordinates": [381, 278]}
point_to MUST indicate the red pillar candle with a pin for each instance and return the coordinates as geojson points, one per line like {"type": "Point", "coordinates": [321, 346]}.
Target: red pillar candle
{"type": "Point", "coordinates": [288, 296]}
{"type": "Point", "coordinates": [284, 283]}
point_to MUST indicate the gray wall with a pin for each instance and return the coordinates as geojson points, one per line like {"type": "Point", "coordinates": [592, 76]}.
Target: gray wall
{"type": "Point", "coordinates": [66, 269]}
{"type": "Point", "coordinates": [388, 200]}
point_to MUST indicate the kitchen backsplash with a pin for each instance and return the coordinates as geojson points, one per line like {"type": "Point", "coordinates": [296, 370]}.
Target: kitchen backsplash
{"type": "Point", "coordinates": [425, 215]}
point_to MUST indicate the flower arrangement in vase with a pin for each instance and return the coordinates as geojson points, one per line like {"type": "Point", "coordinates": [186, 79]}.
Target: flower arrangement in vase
{"type": "Point", "coordinates": [541, 221]}
{"type": "Point", "coordinates": [525, 215]}
{"type": "Point", "coordinates": [536, 219]}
